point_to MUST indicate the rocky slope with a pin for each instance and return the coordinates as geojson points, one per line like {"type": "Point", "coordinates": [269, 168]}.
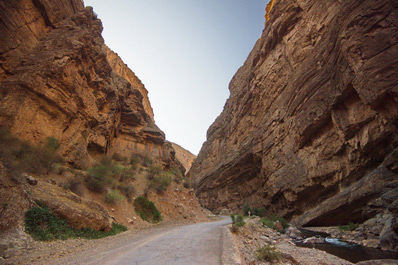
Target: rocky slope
{"type": "Point", "coordinates": [310, 128]}
{"type": "Point", "coordinates": [58, 79]}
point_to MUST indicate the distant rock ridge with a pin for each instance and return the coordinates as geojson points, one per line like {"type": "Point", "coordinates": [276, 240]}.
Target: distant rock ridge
{"type": "Point", "coordinates": [310, 128]}
{"type": "Point", "coordinates": [184, 156]}
{"type": "Point", "coordinates": [59, 79]}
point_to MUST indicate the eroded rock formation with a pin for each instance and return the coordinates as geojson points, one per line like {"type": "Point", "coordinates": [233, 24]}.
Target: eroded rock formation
{"type": "Point", "coordinates": [310, 128]}
{"type": "Point", "coordinates": [184, 156]}
{"type": "Point", "coordinates": [58, 79]}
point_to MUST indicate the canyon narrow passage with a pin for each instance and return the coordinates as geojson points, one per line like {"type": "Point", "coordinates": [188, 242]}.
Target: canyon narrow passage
{"type": "Point", "coordinates": [201, 243]}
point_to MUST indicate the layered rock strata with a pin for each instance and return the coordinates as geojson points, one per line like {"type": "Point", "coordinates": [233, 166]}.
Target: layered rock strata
{"type": "Point", "coordinates": [184, 156]}
{"type": "Point", "coordinates": [58, 79]}
{"type": "Point", "coordinates": [310, 128]}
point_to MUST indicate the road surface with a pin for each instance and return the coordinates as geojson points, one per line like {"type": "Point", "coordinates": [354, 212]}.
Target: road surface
{"type": "Point", "coordinates": [203, 243]}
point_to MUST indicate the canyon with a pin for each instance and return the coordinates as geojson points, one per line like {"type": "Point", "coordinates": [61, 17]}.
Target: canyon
{"type": "Point", "coordinates": [309, 131]}
{"type": "Point", "coordinates": [310, 128]}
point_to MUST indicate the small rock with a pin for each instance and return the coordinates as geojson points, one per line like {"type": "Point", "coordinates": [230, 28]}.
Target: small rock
{"type": "Point", "coordinates": [314, 240]}
{"type": "Point", "coordinates": [31, 180]}
{"type": "Point", "coordinates": [130, 221]}
{"type": "Point", "coordinates": [112, 210]}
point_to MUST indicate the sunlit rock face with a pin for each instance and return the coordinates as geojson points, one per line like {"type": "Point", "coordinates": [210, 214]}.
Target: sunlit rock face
{"type": "Point", "coordinates": [310, 128]}
{"type": "Point", "coordinates": [184, 156]}
{"type": "Point", "coordinates": [58, 79]}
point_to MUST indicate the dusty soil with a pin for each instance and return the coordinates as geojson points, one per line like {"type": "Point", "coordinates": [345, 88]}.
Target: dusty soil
{"type": "Point", "coordinates": [254, 235]}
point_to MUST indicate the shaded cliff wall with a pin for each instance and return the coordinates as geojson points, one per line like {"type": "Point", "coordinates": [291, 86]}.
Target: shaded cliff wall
{"type": "Point", "coordinates": [58, 79]}
{"type": "Point", "coordinates": [310, 128]}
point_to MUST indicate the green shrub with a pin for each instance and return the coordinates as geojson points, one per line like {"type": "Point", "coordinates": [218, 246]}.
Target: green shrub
{"type": "Point", "coordinates": [154, 170]}
{"type": "Point", "coordinates": [161, 182]}
{"type": "Point", "coordinates": [99, 177]}
{"type": "Point", "coordinates": [52, 143]}
{"type": "Point", "coordinates": [123, 173]}
{"type": "Point", "coordinates": [350, 227]}
{"type": "Point", "coordinates": [57, 168]}
{"type": "Point", "coordinates": [237, 220]}
{"type": "Point", "coordinates": [271, 220]}
{"type": "Point", "coordinates": [146, 161]}
{"type": "Point", "coordinates": [268, 253]}
{"type": "Point", "coordinates": [75, 185]}
{"type": "Point", "coordinates": [147, 210]}
{"type": "Point", "coordinates": [19, 156]}
{"type": "Point", "coordinates": [127, 190]}
{"type": "Point", "coordinates": [43, 225]}
{"type": "Point", "coordinates": [261, 212]}
{"type": "Point", "coordinates": [246, 208]}
{"type": "Point", "coordinates": [135, 160]}
{"type": "Point", "coordinates": [114, 197]}
{"type": "Point", "coordinates": [178, 175]}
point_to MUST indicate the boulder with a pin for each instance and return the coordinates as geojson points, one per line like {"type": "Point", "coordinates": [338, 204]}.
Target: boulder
{"type": "Point", "coordinates": [389, 235]}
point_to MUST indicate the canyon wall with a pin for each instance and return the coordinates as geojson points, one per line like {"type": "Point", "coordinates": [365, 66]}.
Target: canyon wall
{"type": "Point", "coordinates": [59, 79]}
{"type": "Point", "coordinates": [184, 156]}
{"type": "Point", "coordinates": [310, 128]}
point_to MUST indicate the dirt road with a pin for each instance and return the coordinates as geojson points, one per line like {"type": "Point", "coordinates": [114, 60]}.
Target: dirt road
{"type": "Point", "coordinates": [204, 243]}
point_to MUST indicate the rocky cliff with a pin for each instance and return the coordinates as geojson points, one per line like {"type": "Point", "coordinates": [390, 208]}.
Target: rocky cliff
{"type": "Point", "coordinates": [310, 128]}
{"type": "Point", "coordinates": [58, 79]}
{"type": "Point", "coordinates": [184, 156]}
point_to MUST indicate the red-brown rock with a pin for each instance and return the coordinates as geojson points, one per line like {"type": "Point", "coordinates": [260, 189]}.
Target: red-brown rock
{"type": "Point", "coordinates": [58, 79]}
{"type": "Point", "coordinates": [310, 128]}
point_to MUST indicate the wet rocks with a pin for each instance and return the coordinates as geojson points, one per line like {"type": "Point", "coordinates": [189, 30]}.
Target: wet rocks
{"type": "Point", "coordinates": [389, 235]}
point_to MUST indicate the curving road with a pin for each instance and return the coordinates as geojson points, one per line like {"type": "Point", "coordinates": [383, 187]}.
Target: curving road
{"type": "Point", "coordinates": [204, 243]}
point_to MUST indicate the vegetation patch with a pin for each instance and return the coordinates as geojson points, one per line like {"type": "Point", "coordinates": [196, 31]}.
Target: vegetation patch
{"type": "Point", "coordinates": [75, 185]}
{"type": "Point", "coordinates": [147, 210]}
{"type": "Point", "coordinates": [114, 197]}
{"type": "Point", "coordinates": [43, 225]}
{"type": "Point", "coordinates": [350, 227]}
{"type": "Point", "coordinates": [178, 175]}
{"type": "Point", "coordinates": [270, 221]}
{"type": "Point", "coordinates": [146, 161]}
{"type": "Point", "coordinates": [19, 156]}
{"type": "Point", "coordinates": [261, 212]}
{"type": "Point", "coordinates": [161, 182]}
{"type": "Point", "coordinates": [127, 190]}
{"type": "Point", "coordinates": [237, 221]}
{"type": "Point", "coordinates": [105, 174]}
{"type": "Point", "coordinates": [154, 170]}
{"type": "Point", "coordinates": [268, 253]}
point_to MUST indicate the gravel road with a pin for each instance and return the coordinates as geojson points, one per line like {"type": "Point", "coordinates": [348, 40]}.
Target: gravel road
{"type": "Point", "coordinates": [203, 243]}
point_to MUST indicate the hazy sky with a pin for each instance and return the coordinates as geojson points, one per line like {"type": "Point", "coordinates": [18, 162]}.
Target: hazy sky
{"type": "Point", "coordinates": [185, 52]}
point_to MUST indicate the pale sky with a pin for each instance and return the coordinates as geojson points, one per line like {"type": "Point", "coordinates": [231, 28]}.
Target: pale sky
{"type": "Point", "coordinates": [185, 52]}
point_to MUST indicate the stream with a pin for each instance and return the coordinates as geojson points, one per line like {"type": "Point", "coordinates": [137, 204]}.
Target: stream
{"type": "Point", "coordinates": [345, 250]}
